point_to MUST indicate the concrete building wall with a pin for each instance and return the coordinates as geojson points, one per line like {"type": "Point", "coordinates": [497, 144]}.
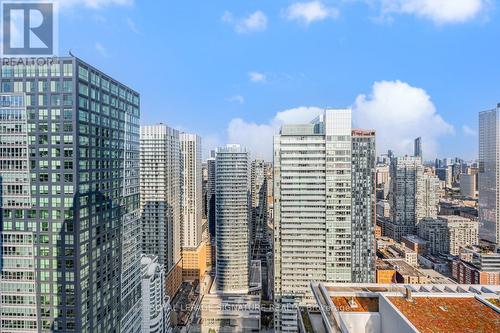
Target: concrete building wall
{"type": "Point", "coordinates": [447, 233]}
{"type": "Point", "coordinates": [413, 196]}
{"type": "Point", "coordinates": [194, 262]}
{"type": "Point", "coordinates": [161, 193]}
{"type": "Point", "coordinates": [192, 210]}
{"type": "Point", "coordinates": [391, 319]}
{"type": "Point", "coordinates": [323, 174]}
{"type": "Point", "coordinates": [232, 214]}
{"type": "Point", "coordinates": [468, 185]}
{"type": "Point", "coordinates": [155, 302]}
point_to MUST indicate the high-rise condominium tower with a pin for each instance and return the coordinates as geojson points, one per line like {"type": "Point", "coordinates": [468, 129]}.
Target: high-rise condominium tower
{"type": "Point", "coordinates": [489, 179]}
{"type": "Point", "coordinates": [323, 175]}
{"type": "Point", "coordinates": [363, 206]}
{"type": "Point", "coordinates": [192, 200]}
{"type": "Point", "coordinates": [418, 147]}
{"type": "Point", "coordinates": [161, 198]}
{"type": "Point", "coordinates": [211, 195]}
{"type": "Point", "coordinates": [258, 195]}
{"type": "Point", "coordinates": [155, 302]}
{"type": "Point", "coordinates": [70, 227]}
{"type": "Point", "coordinates": [413, 196]}
{"type": "Point", "coordinates": [405, 195]}
{"type": "Point", "coordinates": [232, 214]}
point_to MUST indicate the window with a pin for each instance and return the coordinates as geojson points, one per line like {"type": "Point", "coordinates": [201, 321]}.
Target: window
{"type": "Point", "coordinates": [7, 86]}
{"type": "Point", "coordinates": [55, 100]}
{"type": "Point", "coordinates": [42, 100]}
{"type": "Point", "coordinates": [67, 100]}
{"type": "Point", "coordinates": [43, 70]}
{"type": "Point", "coordinates": [55, 86]}
{"type": "Point", "coordinates": [68, 69]}
{"type": "Point", "coordinates": [83, 73]}
{"type": "Point", "coordinates": [67, 86]}
{"type": "Point", "coordinates": [83, 89]}
{"type": "Point", "coordinates": [67, 114]}
{"type": "Point", "coordinates": [18, 86]}
{"type": "Point", "coordinates": [55, 70]}
{"type": "Point", "coordinates": [42, 86]}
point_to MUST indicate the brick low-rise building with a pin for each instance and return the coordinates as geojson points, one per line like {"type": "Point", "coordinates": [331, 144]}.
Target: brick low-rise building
{"type": "Point", "coordinates": [415, 243]}
{"type": "Point", "coordinates": [465, 273]}
{"type": "Point", "coordinates": [194, 262]}
{"type": "Point", "coordinates": [477, 265]}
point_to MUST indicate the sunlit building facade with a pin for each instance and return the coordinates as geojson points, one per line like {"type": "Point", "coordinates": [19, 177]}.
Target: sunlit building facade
{"type": "Point", "coordinates": [70, 219]}
{"type": "Point", "coordinates": [323, 176]}
{"type": "Point", "coordinates": [489, 177]}
{"type": "Point", "coordinates": [161, 199]}
{"type": "Point", "coordinates": [232, 214]}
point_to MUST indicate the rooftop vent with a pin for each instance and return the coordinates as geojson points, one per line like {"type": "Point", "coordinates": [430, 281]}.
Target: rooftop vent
{"type": "Point", "coordinates": [352, 303]}
{"type": "Point", "coordinates": [408, 294]}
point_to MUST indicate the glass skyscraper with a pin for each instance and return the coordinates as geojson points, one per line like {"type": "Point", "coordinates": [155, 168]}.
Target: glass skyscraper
{"type": "Point", "coordinates": [489, 177]}
{"type": "Point", "coordinates": [70, 227]}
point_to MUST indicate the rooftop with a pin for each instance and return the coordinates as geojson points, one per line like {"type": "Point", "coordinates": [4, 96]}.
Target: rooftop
{"type": "Point", "coordinates": [356, 304]}
{"type": "Point", "coordinates": [382, 265]}
{"type": "Point", "coordinates": [255, 281]}
{"type": "Point", "coordinates": [435, 277]}
{"type": "Point", "coordinates": [494, 301]}
{"type": "Point", "coordinates": [415, 239]}
{"type": "Point", "coordinates": [404, 268]}
{"type": "Point", "coordinates": [448, 314]}
{"type": "Point", "coordinates": [388, 308]}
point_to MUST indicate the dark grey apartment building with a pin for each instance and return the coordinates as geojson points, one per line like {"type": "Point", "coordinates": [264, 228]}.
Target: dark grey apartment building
{"type": "Point", "coordinates": [363, 206]}
{"type": "Point", "coordinates": [70, 218]}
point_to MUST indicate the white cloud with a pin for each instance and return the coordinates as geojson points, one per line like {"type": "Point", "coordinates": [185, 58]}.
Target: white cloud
{"type": "Point", "coordinates": [257, 77]}
{"type": "Point", "coordinates": [254, 22]}
{"type": "Point", "coordinates": [236, 98]}
{"type": "Point", "coordinates": [259, 137]}
{"type": "Point", "coordinates": [299, 115]}
{"type": "Point", "coordinates": [102, 50]}
{"type": "Point", "coordinates": [94, 3]}
{"type": "Point", "coordinates": [256, 137]}
{"type": "Point", "coordinates": [308, 12]}
{"type": "Point", "coordinates": [210, 142]}
{"type": "Point", "coordinates": [399, 113]}
{"type": "Point", "coordinates": [133, 26]}
{"type": "Point", "coordinates": [468, 131]}
{"type": "Point", "coordinates": [438, 11]}
{"type": "Point", "coordinates": [227, 17]}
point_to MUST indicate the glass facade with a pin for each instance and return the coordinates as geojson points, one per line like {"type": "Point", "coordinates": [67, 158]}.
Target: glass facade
{"type": "Point", "coordinates": [77, 146]}
{"type": "Point", "coordinates": [363, 206]}
{"type": "Point", "coordinates": [489, 175]}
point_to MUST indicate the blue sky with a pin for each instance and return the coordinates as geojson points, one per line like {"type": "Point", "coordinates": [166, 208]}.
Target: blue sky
{"type": "Point", "coordinates": [234, 71]}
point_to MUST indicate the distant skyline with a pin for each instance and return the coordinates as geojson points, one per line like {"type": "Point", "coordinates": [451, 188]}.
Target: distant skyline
{"type": "Point", "coordinates": [234, 71]}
